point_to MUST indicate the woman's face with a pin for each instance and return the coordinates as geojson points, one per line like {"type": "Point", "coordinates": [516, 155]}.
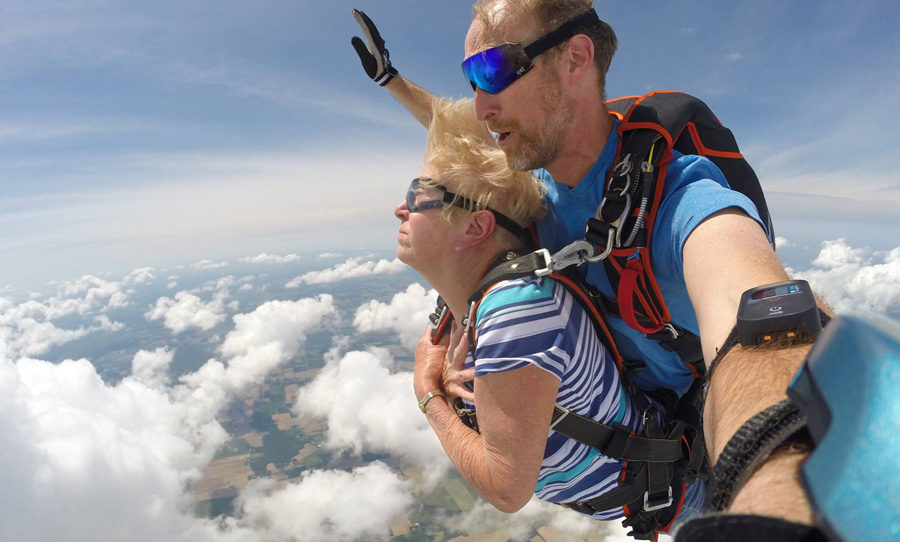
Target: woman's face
{"type": "Point", "coordinates": [424, 237]}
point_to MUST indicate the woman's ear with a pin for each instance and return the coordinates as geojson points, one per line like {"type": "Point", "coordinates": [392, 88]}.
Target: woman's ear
{"type": "Point", "coordinates": [478, 227]}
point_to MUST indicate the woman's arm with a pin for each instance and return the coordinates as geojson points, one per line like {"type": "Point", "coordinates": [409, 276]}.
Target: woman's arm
{"type": "Point", "coordinates": [514, 409]}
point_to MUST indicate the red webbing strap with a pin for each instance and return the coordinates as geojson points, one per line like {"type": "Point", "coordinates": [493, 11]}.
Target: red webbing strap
{"type": "Point", "coordinates": [647, 301]}
{"type": "Point", "coordinates": [599, 320]}
{"type": "Point", "coordinates": [442, 327]}
{"type": "Point", "coordinates": [627, 283]}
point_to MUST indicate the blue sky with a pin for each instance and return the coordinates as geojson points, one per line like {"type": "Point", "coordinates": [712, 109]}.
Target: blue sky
{"type": "Point", "coordinates": [150, 133]}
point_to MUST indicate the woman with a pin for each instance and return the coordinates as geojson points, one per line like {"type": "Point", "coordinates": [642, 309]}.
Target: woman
{"type": "Point", "coordinates": [535, 344]}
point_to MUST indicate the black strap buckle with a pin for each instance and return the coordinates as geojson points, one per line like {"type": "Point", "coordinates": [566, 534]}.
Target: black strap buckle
{"type": "Point", "coordinates": [657, 502]}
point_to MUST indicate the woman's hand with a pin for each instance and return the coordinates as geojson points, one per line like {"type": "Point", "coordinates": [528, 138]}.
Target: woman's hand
{"type": "Point", "coordinates": [454, 377]}
{"type": "Point", "coordinates": [429, 365]}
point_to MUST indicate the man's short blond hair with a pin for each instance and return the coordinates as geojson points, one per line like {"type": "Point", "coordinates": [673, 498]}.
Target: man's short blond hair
{"type": "Point", "coordinates": [550, 15]}
{"type": "Point", "coordinates": [471, 165]}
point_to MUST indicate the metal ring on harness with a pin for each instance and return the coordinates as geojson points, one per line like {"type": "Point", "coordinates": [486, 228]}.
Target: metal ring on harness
{"type": "Point", "coordinates": [611, 237]}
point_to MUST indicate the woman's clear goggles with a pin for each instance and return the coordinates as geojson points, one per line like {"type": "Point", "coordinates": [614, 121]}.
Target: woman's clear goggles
{"type": "Point", "coordinates": [494, 69]}
{"type": "Point", "coordinates": [424, 194]}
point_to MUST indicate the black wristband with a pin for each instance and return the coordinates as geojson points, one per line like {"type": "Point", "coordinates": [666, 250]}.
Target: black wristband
{"type": "Point", "coordinates": [750, 446]}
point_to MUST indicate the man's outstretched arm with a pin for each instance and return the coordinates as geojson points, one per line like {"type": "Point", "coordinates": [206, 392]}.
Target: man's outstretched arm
{"type": "Point", "coordinates": [376, 61]}
{"type": "Point", "coordinates": [724, 256]}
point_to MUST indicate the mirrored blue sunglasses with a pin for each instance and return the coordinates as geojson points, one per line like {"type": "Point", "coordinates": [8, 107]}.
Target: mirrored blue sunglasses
{"type": "Point", "coordinates": [494, 69]}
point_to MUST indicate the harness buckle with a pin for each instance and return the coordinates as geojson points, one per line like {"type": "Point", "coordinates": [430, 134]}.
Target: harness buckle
{"type": "Point", "coordinates": [565, 412]}
{"type": "Point", "coordinates": [548, 263]}
{"type": "Point", "coordinates": [658, 504]}
{"type": "Point", "coordinates": [575, 253]}
{"type": "Point", "coordinates": [671, 329]}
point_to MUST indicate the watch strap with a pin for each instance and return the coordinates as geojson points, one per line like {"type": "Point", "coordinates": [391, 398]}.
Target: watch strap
{"type": "Point", "coordinates": [750, 446]}
{"type": "Point", "coordinates": [428, 397]}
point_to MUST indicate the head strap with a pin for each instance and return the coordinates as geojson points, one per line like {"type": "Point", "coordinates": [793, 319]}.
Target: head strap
{"type": "Point", "coordinates": [564, 32]}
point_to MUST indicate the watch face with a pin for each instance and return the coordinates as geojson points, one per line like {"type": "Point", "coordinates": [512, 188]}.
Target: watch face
{"type": "Point", "coordinates": [783, 289]}
{"type": "Point", "coordinates": [785, 310]}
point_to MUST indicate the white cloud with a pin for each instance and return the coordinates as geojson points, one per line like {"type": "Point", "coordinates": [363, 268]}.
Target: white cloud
{"type": "Point", "coordinates": [326, 255]}
{"type": "Point", "coordinates": [853, 280]}
{"type": "Point", "coordinates": [106, 324]}
{"type": "Point", "coordinates": [327, 505]}
{"type": "Point", "coordinates": [353, 393]}
{"type": "Point", "coordinates": [567, 524]}
{"type": "Point", "coordinates": [208, 264]}
{"type": "Point", "coordinates": [407, 314]}
{"type": "Point", "coordinates": [29, 337]}
{"type": "Point", "coordinates": [28, 329]}
{"type": "Point", "coordinates": [88, 461]}
{"type": "Point", "coordinates": [781, 242]}
{"type": "Point", "coordinates": [150, 368]}
{"type": "Point", "coordinates": [352, 268]}
{"type": "Point", "coordinates": [141, 275]}
{"type": "Point", "coordinates": [266, 258]}
{"type": "Point", "coordinates": [91, 461]}
{"type": "Point", "coordinates": [261, 340]}
{"type": "Point", "coordinates": [187, 311]}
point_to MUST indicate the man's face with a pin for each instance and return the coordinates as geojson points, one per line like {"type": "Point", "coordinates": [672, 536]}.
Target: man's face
{"type": "Point", "coordinates": [532, 115]}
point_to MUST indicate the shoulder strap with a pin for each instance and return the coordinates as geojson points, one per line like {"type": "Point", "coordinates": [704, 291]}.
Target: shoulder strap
{"type": "Point", "coordinates": [538, 263]}
{"type": "Point", "coordinates": [694, 129]}
{"type": "Point", "coordinates": [650, 128]}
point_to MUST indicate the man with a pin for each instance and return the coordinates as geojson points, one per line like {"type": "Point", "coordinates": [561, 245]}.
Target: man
{"type": "Point", "coordinates": [552, 118]}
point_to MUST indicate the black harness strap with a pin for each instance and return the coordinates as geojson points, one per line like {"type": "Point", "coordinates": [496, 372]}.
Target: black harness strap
{"type": "Point", "coordinates": [615, 441]}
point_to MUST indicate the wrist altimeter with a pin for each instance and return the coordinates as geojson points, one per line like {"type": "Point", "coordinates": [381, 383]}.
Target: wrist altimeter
{"type": "Point", "coordinates": [781, 312]}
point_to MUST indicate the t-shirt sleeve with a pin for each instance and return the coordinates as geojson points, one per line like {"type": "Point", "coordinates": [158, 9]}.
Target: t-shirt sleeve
{"type": "Point", "coordinates": [695, 189]}
{"type": "Point", "coordinates": [521, 322]}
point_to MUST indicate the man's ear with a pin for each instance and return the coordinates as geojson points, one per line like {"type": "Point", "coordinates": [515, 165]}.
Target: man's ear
{"type": "Point", "coordinates": [579, 54]}
{"type": "Point", "coordinates": [479, 227]}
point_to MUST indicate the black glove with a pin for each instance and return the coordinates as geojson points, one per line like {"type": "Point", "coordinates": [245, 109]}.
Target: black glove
{"type": "Point", "coordinates": [372, 53]}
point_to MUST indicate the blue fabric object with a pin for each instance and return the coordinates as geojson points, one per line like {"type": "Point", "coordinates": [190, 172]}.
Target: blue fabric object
{"type": "Point", "coordinates": [848, 390]}
{"type": "Point", "coordinates": [695, 189]}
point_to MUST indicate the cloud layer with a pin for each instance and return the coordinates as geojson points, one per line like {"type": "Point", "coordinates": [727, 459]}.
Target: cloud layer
{"type": "Point", "coordinates": [856, 280]}
{"type": "Point", "coordinates": [266, 258]}
{"type": "Point", "coordinates": [88, 460]}
{"type": "Point", "coordinates": [327, 505]}
{"type": "Point", "coordinates": [352, 268]}
{"type": "Point", "coordinates": [353, 392]}
{"type": "Point", "coordinates": [406, 314]}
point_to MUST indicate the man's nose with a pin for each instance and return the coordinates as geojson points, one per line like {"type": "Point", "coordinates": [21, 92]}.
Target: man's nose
{"type": "Point", "coordinates": [486, 105]}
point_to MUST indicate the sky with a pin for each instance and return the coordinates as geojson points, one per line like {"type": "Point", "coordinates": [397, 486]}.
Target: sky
{"type": "Point", "coordinates": [147, 133]}
{"type": "Point", "coordinates": [216, 177]}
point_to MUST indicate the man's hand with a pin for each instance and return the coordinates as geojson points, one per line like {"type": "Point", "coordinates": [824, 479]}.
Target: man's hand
{"type": "Point", "coordinates": [454, 376]}
{"type": "Point", "coordinates": [372, 53]}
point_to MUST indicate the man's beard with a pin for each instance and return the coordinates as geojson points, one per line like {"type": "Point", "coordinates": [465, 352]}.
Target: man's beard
{"type": "Point", "coordinates": [539, 149]}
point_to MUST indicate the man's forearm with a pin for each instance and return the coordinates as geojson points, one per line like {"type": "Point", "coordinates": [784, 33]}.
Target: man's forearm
{"type": "Point", "coordinates": [745, 382]}
{"type": "Point", "coordinates": [416, 100]}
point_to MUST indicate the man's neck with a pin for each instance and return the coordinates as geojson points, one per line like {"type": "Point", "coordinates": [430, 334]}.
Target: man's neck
{"type": "Point", "coordinates": [583, 145]}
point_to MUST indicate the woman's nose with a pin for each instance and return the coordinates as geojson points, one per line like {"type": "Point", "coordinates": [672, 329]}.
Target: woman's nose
{"type": "Point", "coordinates": [401, 211]}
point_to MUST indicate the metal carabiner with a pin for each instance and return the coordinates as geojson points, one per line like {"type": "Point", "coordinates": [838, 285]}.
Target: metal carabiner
{"type": "Point", "coordinates": [609, 247]}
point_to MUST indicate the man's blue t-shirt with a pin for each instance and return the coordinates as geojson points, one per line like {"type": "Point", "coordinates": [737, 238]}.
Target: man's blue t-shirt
{"type": "Point", "coordinates": [695, 189]}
